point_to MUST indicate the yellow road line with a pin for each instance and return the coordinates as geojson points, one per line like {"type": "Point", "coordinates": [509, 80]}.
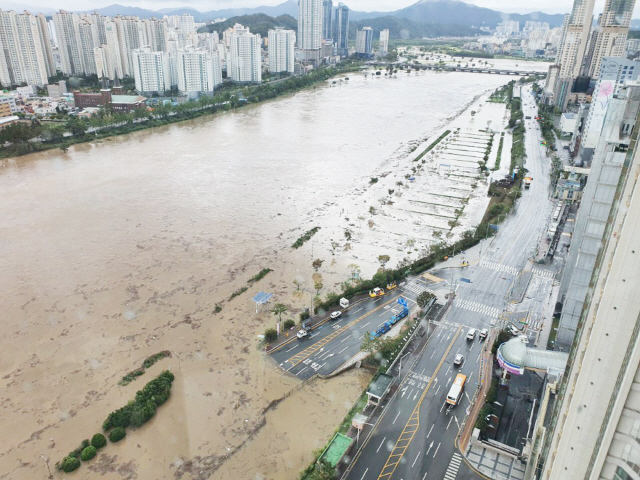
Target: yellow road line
{"type": "Point", "coordinates": [306, 353]}
{"type": "Point", "coordinates": [413, 423]}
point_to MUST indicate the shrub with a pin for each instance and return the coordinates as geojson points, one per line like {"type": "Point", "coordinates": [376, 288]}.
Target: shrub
{"type": "Point", "coordinates": [69, 464]}
{"type": "Point", "coordinates": [117, 434]}
{"type": "Point", "coordinates": [289, 324]}
{"type": "Point", "coordinates": [98, 440]}
{"type": "Point", "coordinates": [88, 453]}
{"type": "Point", "coordinates": [304, 315]}
{"type": "Point", "coordinates": [270, 335]}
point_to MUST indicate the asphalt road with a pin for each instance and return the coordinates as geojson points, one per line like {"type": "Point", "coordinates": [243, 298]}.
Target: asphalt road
{"type": "Point", "coordinates": [414, 437]}
{"type": "Point", "coordinates": [335, 341]}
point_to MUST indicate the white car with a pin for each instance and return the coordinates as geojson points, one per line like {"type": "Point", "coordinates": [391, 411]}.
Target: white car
{"type": "Point", "coordinates": [483, 333]}
{"type": "Point", "coordinates": [513, 330]}
{"type": "Point", "coordinates": [335, 315]}
{"type": "Point", "coordinates": [458, 359]}
{"type": "Point", "coordinates": [302, 334]}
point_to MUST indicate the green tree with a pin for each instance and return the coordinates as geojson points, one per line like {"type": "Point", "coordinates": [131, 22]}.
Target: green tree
{"type": "Point", "coordinates": [278, 309]}
{"type": "Point", "coordinates": [88, 453]}
{"type": "Point", "coordinates": [76, 126]}
{"type": "Point", "coordinates": [318, 286]}
{"type": "Point", "coordinates": [383, 259]}
{"type": "Point", "coordinates": [270, 335]}
{"type": "Point", "coordinates": [54, 133]}
{"type": "Point", "coordinates": [424, 298]}
{"type": "Point", "coordinates": [117, 434]}
{"type": "Point", "coordinates": [98, 440]}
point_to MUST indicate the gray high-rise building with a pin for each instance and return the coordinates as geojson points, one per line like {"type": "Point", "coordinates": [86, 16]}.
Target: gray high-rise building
{"type": "Point", "coordinates": [310, 29]}
{"type": "Point", "coordinates": [341, 30]}
{"type": "Point", "coordinates": [364, 42]}
{"type": "Point", "coordinates": [327, 18]}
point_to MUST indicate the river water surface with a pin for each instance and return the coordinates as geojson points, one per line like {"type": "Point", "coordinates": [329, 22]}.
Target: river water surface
{"type": "Point", "coordinates": [114, 251]}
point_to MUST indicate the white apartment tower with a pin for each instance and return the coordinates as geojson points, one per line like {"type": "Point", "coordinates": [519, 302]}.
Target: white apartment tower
{"type": "Point", "coordinates": [68, 35]}
{"type": "Point", "coordinates": [130, 37]}
{"type": "Point", "coordinates": [156, 34]}
{"type": "Point", "coordinates": [281, 50]}
{"type": "Point", "coordinates": [198, 71]}
{"type": "Point", "coordinates": [245, 64]}
{"type": "Point", "coordinates": [33, 54]}
{"type": "Point", "coordinates": [611, 32]}
{"type": "Point", "coordinates": [88, 34]}
{"type": "Point", "coordinates": [310, 28]}
{"type": "Point", "coordinates": [151, 70]}
{"type": "Point", "coordinates": [383, 47]}
{"type": "Point", "coordinates": [187, 25]}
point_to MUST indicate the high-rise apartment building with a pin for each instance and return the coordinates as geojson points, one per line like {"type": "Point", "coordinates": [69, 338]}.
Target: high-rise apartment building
{"type": "Point", "coordinates": [99, 21]}
{"type": "Point", "coordinates": [327, 19]}
{"type": "Point", "coordinates": [310, 29]}
{"type": "Point", "coordinates": [245, 64]}
{"type": "Point", "coordinates": [610, 35]}
{"type": "Point", "coordinates": [383, 47]}
{"type": "Point", "coordinates": [341, 30]}
{"type": "Point", "coordinates": [88, 35]}
{"type": "Point", "coordinates": [364, 42]}
{"type": "Point", "coordinates": [281, 50]}
{"type": "Point", "coordinates": [594, 428]}
{"type": "Point", "coordinates": [198, 71]}
{"type": "Point", "coordinates": [151, 70]}
{"type": "Point", "coordinates": [571, 50]}
{"type": "Point", "coordinates": [155, 34]}
{"type": "Point", "coordinates": [187, 24]}
{"type": "Point", "coordinates": [69, 47]}
{"type": "Point", "coordinates": [130, 37]}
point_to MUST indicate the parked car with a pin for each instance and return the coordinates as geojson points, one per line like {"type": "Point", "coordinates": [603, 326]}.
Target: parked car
{"type": "Point", "coordinates": [335, 315]}
{"type": "Point", "coordinates": [483, 333]}
{"type": "Point", "coordinates": [458, 360]}
{"type": "Point", "coordinates": [513, 330]}
{"type": "Point", "coordinates": [471, 334]}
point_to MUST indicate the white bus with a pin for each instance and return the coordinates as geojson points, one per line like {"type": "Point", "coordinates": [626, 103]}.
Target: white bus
{"type": "Point", "coordinates": [455, 392]}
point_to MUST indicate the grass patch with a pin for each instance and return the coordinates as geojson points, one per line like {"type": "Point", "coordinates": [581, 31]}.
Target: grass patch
{"type": "Point", "coordinates": [305, 238]}
{"type": "Point", "coordinates": [357, 407]}
{"type": "Point", "coordinates": [147, 363]}
{"type": "Point", "coordinates": [430, 147]}
{"type": "Point", "coordinates": [551, 341]}
{"type": "Point", "coordinates": [499, 157]}
{"type": "Point", "coordinates": [238, 292]}
{"type": "Point", "coordinates": [260, 275]}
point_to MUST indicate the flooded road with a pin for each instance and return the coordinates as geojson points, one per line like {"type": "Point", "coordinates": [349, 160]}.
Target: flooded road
{"type": "Point", "coordinates": [115, 251]}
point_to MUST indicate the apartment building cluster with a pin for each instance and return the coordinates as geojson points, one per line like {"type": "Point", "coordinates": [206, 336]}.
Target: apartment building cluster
{"type": "Point", "coordinates": [535, 40]}
{"type": "Point", "coordinates": [583, 47]}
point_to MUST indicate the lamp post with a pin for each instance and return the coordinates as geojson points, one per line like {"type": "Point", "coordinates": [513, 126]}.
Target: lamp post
{"type": "Point", "coordinates": [46, 461]}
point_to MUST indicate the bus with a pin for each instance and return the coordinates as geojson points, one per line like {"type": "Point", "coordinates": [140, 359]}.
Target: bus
{"type": "Point", "coordinates": [455, 392]}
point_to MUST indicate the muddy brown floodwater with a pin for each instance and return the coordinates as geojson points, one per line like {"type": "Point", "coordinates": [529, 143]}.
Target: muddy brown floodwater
{"type": "Point", "coordinates": [115, 251]}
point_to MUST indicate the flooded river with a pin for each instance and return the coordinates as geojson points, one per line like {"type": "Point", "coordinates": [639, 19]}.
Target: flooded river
{"type": "Point", "coordinates": [114, 251]}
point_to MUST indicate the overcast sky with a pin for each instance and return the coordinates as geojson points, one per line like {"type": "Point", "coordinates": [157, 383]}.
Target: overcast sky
{"type": "Point", "coordinates": [509, 6]}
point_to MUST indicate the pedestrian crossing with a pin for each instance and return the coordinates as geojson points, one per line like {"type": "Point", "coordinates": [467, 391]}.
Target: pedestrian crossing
{"type": "Point", "coordinates": [543, 273]}
{"type": "Point", "coordinates": [454, 465]}
{"type": "Point", "coordinates": [499, 267]}
{"type": "Point", "coordinates": [416, 288]}
{"type": "Point", "coordinates": [492, 312]}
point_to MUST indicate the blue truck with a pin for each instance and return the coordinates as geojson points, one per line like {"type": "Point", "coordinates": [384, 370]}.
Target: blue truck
{"type": "Point", "coordinates": [386, 326]}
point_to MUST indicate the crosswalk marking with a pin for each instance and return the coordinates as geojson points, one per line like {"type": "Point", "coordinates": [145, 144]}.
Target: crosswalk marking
{"type": "Point", "coordinates": [416, 288]}
{"type": "Point", "coordinates": [543, 273]}
{"type": "Point", "coordinates": [454, 465]}
{"type": "Point", "coordinates": [492, 312]}
{"type": "Point", "coordinates": [498, 267]}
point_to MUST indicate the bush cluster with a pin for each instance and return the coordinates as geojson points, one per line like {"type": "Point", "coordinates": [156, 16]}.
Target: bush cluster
{"type": "Point", "coordinates": [143, 408]}
{"type": "Point", "coordinates": [69, 464]}
{"type": "Point", "coordinates": [289, 324]}
{"type": "Point", "coordinates": [88, 453]}
{"type": "Point", "coordinates": [270, 335]}
{"type": "Point", "coordinates": [117, 434]}
{"type": "Point", "coordinates": [98, 440]}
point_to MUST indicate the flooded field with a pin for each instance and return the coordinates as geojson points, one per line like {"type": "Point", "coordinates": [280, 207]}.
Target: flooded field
{"type": "Point", "coordinates": [112, 252]}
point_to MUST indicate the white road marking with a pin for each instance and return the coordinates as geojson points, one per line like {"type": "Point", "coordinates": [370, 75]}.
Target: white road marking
{"type": "Point", "coordinates": [345, 339]}
{"type": "Point", "coordinates": [292, 348]}
{"type": "Point", "coordinates": [436, 452]}
{"type": "Point", "coordinates": [342, 350]}
{"type": "Point", "coordinates": [381, 443]}
{"type": "Point", "coordinates": [437, 390]}
{"type": "Point", "coordinates": [303, 369]}
{"type": "Point", "coordinates": [434, 352]}
{"type": "Point", "coordinates": [430, 430]}
{"type": "Point", "coordinates": [425, 475]}
{"type": "Point", "coordinates": [356, 311]}
{"type": "Point", "coordinates": [365, 472]}
{"type": "Point", "coordinates": [414, 462]}
{"type": "Point", "coordinates": [394, 420]}
{"type": "Point", "coordinates": [448, 424]}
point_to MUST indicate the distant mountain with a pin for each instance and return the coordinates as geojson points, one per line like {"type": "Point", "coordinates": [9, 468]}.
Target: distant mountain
{"type": "Point", "coordinates": [446, 12]}
{"type": "Point", "coordinates": [404, 28]}
{"type": "Point", "coordinates": [257, 23]}
{"type": "Point", "coordinates": [455, 11]}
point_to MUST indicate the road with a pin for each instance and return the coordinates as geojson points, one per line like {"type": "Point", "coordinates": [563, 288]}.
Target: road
{"type": "Point", "coordinates": [335, 341]}
{"type": "Point", "coordinates": [414, 437]}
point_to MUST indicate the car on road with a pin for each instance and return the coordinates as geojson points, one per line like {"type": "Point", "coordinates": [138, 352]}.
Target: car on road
{"type": "Point", "coordinates": [302, 334]}
{"type": "Point", "coordinates": [376, 292]}
{"type": "Point", "coordinates": [335, 315]}
{"type": "Point", "coordinates": [471, 334]}
{"type": "Point", "coordinates": [513, 330]}
{"type": "Point", "coordinates": [458, 360]}
{"type": "Point", "coordinates": [483, 333]}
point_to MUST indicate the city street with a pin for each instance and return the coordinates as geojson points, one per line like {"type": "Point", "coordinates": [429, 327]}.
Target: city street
{"type": "Point", "coordinates": [414, 437]}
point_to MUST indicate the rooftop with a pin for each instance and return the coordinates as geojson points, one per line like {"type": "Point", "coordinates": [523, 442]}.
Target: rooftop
{"type": "Point", "coordinates": [127, 99]}
{"type": "Point", "coordinates": [380, 385]}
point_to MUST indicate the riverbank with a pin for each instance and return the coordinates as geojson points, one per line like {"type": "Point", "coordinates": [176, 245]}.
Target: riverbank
{"type": "Point", "coordinates": [116, 251]}
{"type": "Point", "coordinates": [75, 130]}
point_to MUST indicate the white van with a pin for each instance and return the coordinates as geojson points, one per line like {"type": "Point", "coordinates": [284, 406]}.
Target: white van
{"type": "Point", "coordinates": [471, 334]}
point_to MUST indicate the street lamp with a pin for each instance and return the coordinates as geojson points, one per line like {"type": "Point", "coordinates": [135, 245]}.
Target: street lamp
{"type": "Point", "coordinates": [46, 461]}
